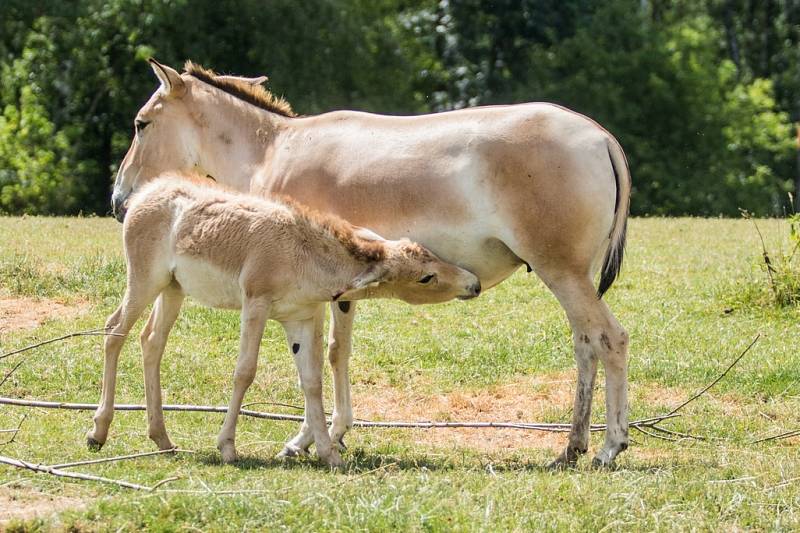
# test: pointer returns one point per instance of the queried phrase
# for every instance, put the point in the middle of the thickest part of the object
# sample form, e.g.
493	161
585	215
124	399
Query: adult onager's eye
140	125
426	279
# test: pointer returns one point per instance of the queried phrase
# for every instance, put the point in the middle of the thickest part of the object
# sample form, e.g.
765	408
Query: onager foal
273	259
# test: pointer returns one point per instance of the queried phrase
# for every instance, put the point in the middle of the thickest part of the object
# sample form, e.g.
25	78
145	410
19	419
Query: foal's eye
141	125
426	279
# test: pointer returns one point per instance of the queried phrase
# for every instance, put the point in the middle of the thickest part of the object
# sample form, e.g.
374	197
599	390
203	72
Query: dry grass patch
21	313
26	505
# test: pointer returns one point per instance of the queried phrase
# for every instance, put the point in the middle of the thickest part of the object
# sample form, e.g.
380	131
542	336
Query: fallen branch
785	435
76	475
707	387
534	426
90	332
119	458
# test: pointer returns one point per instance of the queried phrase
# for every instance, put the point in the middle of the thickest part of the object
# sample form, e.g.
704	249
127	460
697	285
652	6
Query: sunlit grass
677	297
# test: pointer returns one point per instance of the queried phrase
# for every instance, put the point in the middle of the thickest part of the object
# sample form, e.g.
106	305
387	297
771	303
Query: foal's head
412	273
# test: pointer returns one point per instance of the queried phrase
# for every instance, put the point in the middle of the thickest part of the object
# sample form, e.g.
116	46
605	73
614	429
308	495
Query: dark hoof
93	445
342	445
603	465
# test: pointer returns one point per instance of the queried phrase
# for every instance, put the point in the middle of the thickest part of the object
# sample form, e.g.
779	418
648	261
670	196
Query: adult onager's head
183	128
271	258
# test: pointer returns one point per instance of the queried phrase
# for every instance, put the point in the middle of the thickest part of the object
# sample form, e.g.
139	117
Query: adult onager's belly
486	189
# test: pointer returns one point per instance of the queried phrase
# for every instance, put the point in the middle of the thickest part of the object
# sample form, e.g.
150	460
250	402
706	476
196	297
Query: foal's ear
241	79
374	273
171	81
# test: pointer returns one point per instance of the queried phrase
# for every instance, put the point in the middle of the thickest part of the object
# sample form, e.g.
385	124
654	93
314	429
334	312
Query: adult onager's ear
171	81
249	81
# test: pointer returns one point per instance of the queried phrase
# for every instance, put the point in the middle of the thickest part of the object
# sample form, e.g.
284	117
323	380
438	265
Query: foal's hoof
291	451
568	459
93	444
341	446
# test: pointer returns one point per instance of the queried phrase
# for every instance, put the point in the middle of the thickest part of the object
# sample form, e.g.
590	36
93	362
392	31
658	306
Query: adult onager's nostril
118	207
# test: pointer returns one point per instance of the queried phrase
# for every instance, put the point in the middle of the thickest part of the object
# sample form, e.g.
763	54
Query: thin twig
97	331
678	433
654	435
748	216
118	458
536	426
696	396
15	431
8	374
786	435
76	475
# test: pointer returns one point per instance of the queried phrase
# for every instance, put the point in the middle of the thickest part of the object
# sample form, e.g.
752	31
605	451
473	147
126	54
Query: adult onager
488	188
270	258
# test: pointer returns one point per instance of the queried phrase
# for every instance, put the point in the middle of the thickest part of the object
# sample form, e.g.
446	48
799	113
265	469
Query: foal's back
202	237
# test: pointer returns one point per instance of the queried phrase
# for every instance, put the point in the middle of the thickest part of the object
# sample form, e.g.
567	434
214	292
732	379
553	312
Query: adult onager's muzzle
119	206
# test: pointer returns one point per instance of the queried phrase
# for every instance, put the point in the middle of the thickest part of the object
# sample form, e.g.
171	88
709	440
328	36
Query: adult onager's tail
616	248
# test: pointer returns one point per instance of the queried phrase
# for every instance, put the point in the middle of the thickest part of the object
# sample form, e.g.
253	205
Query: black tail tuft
612	264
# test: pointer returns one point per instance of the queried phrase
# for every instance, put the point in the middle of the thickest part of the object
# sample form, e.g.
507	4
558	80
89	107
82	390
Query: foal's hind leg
154	339
597	335
136	299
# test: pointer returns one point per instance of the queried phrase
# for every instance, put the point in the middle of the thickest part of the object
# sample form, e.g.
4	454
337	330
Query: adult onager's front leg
340	348
305	341
154	339
253	319
597	335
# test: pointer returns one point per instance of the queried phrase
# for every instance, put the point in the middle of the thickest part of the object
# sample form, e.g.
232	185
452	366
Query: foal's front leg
254	318
305	341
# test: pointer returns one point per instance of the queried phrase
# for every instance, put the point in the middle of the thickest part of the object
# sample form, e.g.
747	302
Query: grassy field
686	297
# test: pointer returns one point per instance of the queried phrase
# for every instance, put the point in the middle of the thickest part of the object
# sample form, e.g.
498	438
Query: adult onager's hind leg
154	339
253	321
597	335
340	348
305	341
120	322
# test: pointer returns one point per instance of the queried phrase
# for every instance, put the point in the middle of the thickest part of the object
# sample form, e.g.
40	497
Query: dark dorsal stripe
252	94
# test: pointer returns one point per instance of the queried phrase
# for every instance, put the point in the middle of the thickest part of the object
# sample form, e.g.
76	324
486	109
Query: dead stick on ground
76	475
119	458
780	436
14	431
98	331
554	427
8	374
703	391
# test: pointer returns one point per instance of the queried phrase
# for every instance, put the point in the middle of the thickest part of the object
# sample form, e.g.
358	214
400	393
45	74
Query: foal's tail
616	248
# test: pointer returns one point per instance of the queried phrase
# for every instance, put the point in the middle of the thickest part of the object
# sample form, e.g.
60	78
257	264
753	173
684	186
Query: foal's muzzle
473	291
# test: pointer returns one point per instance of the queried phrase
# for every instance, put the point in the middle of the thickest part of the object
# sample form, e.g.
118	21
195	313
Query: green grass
680	296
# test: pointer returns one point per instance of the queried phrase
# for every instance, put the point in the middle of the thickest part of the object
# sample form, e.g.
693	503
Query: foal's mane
337	228
252	94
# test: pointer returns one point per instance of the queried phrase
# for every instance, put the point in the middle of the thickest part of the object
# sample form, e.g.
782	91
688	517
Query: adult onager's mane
252	94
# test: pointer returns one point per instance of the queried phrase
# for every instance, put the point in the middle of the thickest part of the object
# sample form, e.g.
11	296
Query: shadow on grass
359	461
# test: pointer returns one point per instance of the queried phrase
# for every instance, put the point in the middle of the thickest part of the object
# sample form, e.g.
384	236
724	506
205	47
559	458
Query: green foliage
700	94
777	283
